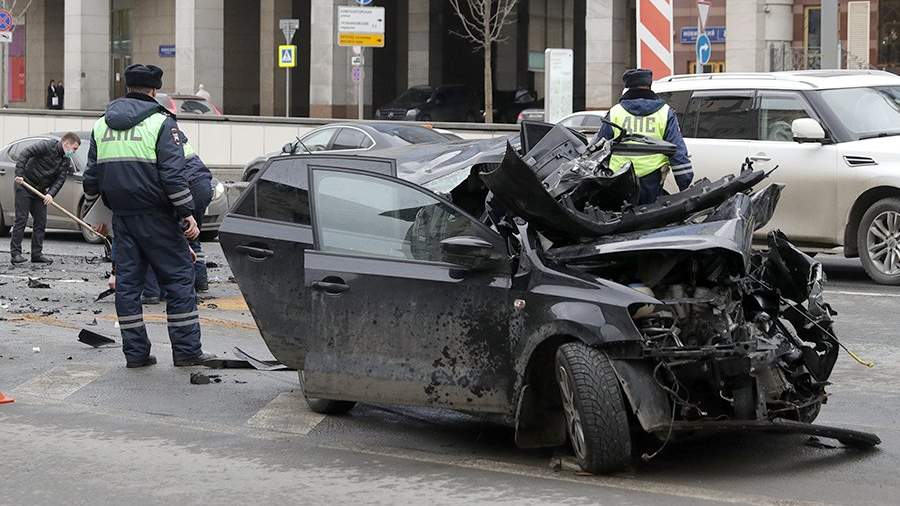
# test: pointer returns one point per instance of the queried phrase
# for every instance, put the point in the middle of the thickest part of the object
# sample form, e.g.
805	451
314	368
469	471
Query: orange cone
6	400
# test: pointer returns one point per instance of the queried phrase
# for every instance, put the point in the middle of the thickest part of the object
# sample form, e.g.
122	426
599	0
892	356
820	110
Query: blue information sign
363	2
704	49
716	34
167	51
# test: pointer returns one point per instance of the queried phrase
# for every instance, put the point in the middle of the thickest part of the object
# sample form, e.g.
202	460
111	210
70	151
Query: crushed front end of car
737	339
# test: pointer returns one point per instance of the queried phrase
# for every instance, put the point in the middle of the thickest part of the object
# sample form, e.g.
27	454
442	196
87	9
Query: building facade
229	46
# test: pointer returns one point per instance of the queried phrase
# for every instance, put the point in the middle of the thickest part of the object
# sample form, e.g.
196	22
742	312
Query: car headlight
218	190
412	114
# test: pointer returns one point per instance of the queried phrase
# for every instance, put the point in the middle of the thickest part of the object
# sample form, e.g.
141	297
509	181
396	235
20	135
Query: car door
350	138
69	196
807	211
7	183
264	237
717	129
395	323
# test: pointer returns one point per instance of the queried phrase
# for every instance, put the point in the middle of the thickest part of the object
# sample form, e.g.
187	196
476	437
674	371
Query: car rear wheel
88	237
596	419
325	406
879	241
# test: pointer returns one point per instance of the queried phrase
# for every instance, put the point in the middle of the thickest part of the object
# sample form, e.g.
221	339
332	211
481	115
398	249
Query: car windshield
413	96
192	106
407	134
866	112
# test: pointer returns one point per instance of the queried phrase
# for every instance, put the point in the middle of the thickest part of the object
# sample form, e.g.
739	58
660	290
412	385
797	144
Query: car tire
596	417
87	236
325	406
878	239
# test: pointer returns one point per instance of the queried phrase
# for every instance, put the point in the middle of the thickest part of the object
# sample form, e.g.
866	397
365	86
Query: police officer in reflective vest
200	181
640	111
136	164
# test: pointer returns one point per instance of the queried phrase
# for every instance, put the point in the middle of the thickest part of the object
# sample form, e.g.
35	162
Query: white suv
834	136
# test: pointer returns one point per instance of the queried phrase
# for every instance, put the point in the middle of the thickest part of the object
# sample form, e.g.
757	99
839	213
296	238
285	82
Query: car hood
874	148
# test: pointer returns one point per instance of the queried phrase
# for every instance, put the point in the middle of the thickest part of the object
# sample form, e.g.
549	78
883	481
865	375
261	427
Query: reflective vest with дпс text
136	143
653	126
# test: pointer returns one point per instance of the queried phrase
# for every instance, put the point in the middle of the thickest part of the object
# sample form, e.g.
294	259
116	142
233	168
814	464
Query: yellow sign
287	56
361	39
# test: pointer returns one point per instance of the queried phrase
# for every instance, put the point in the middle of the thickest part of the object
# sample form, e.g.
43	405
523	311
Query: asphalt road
85	430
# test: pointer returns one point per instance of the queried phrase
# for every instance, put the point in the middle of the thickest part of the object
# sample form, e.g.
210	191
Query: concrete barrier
225	143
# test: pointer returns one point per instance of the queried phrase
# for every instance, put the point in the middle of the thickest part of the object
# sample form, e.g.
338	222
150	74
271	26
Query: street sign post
287	57
703	46
360	27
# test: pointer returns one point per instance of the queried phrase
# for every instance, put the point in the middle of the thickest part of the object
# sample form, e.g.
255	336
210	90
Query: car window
318	140
719	117
678	101
776	113
368	215
4	155
16	149
348	138
367	142
81	155
280	193
592	120
191	106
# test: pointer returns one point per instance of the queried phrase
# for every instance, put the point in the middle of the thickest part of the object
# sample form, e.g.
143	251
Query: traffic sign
287	56
363	2
288	28
361	39
5	37
703	8
360	19
6	20
703	49
356	60
356	73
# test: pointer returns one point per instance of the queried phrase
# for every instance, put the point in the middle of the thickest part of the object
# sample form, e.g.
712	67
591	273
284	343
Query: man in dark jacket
640	111
136	164
43	165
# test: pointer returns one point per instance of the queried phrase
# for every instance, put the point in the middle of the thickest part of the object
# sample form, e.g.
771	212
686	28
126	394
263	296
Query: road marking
61	382
218	322
286	413
864	294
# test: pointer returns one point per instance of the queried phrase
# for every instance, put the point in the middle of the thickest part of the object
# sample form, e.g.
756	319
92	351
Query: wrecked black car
534	291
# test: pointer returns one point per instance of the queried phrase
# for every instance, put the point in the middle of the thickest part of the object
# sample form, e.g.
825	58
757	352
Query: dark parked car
534	292
509	104
424	103
352	137
71	196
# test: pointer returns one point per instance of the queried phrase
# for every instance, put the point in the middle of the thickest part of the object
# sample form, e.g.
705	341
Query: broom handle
74	218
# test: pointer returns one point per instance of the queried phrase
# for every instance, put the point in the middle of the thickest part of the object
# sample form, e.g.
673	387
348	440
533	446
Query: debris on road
212	265
93	322
37	283
36	349
94	339
104	294
198	378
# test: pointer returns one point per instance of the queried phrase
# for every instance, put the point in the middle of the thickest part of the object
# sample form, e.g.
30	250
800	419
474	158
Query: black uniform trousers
26	203
651	187
155	240
201	190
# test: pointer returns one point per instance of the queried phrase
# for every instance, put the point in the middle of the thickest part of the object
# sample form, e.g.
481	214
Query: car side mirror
288	149
469	252
807	130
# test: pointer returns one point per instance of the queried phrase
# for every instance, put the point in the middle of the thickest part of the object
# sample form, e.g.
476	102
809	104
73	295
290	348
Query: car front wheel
596	420
325	406
879	241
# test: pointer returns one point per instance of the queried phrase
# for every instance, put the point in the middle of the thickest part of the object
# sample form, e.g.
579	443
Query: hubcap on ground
883	242
573	419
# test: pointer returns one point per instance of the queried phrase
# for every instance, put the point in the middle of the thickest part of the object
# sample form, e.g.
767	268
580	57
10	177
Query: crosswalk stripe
286	413
61	381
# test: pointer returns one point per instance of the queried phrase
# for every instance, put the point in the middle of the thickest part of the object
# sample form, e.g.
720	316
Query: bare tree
483	22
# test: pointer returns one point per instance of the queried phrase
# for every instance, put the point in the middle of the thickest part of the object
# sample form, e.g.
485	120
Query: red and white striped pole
654	37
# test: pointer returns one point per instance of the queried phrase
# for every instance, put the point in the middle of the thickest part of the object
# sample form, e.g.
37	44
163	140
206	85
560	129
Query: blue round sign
6	21
704	49
364	2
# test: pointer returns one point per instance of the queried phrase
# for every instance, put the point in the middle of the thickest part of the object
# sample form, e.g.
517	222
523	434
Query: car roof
789	80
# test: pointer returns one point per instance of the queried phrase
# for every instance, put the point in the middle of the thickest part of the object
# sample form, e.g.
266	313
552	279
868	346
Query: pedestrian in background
136	163
61	93
52	97
43	165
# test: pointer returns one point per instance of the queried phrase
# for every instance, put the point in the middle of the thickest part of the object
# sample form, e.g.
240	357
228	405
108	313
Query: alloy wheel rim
573	419
883	242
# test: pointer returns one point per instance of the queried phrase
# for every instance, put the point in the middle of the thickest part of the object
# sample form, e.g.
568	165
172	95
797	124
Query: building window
889	32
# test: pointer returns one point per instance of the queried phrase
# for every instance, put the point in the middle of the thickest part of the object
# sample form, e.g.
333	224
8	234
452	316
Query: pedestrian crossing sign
287	56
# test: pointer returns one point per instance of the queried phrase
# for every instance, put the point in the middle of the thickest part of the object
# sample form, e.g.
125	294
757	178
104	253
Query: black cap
634	78
144	76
